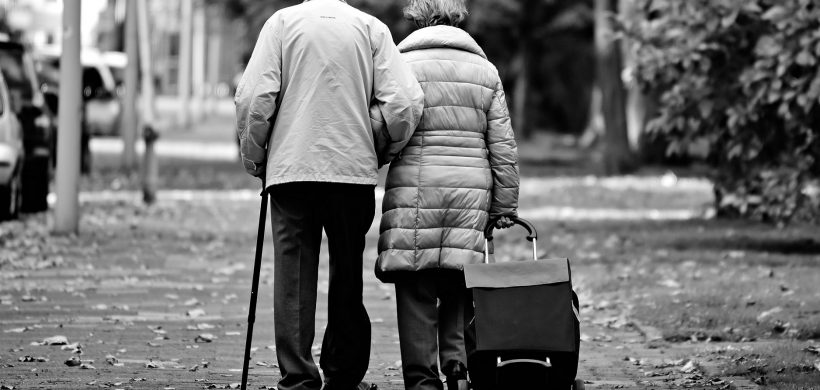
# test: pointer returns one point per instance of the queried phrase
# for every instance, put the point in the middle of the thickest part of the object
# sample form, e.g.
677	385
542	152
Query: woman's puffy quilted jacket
460	167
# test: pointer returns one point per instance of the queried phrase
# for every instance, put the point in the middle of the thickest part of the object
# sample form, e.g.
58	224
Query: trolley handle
532	236
532	233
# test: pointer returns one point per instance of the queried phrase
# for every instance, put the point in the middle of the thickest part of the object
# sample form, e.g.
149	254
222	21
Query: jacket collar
440	37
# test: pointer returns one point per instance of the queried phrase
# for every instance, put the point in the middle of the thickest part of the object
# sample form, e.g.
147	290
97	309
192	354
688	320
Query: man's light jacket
302	104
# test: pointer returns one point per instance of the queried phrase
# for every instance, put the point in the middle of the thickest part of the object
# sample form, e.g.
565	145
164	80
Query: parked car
102	102
38	123
11	157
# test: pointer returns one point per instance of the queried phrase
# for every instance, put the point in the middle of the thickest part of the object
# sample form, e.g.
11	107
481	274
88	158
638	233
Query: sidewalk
156	298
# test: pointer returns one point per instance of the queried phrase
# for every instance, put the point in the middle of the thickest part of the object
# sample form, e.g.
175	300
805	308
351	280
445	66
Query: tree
513	33
743	77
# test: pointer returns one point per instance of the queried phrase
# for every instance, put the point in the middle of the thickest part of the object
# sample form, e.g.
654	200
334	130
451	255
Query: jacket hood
440	37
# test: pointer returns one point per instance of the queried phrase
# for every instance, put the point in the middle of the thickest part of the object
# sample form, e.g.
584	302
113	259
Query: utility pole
214	60
184	74
198	55
129	120
149	133
67	209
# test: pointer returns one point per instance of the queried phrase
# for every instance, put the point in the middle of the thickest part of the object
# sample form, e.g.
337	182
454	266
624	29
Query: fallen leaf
762	316
669	283
55	340
86	366
151	365
112	360
812	349
73	362
16	330
689	367
195	313
73	347
32	359
232	333
735	254
191	302
204	338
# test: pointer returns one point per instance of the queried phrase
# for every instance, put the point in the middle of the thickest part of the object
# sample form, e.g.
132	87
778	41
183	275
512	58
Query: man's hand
504	223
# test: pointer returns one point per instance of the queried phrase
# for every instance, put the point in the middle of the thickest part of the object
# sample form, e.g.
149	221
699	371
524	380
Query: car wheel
10	199
36	174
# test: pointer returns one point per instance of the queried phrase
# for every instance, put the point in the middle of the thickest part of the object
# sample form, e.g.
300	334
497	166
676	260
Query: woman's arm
503	155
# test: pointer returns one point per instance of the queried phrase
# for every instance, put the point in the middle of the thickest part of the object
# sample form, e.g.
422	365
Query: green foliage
744	76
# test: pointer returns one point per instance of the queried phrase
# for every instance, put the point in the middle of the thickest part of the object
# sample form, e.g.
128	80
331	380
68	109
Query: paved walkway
156	298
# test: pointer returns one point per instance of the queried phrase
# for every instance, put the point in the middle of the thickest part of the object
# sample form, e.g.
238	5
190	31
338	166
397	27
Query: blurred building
36	21
39	22
220	52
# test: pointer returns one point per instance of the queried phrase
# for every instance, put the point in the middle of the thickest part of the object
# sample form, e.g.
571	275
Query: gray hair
426	13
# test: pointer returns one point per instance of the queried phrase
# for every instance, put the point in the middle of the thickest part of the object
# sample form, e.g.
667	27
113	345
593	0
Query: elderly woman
458	171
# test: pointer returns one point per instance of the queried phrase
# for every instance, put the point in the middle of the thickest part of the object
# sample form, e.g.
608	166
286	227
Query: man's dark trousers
299	212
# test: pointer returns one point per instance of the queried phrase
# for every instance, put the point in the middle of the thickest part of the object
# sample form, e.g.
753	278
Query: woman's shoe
360	386
367	386
456	375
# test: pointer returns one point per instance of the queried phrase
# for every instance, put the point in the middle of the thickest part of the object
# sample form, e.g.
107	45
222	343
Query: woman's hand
504	223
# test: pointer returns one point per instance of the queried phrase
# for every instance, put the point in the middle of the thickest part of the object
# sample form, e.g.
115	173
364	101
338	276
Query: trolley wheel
578	384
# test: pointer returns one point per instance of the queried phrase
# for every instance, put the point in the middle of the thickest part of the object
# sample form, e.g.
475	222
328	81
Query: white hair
426	13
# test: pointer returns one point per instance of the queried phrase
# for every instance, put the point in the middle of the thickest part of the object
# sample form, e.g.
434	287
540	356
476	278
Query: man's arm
396	92
256	97
503	154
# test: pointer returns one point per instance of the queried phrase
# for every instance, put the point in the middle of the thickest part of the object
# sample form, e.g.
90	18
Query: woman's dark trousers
430	307
299	212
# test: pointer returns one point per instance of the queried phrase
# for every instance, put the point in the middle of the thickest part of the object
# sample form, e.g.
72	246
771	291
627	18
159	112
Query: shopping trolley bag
525	325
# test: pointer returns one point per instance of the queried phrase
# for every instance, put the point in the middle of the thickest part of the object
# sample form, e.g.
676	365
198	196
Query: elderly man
304	127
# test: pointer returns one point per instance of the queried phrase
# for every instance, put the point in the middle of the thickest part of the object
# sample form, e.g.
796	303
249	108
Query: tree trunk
618	158
521	92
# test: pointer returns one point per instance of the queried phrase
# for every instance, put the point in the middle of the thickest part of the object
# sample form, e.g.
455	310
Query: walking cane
260	241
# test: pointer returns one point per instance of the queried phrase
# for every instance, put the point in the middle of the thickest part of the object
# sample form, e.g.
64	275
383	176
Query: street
156	297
